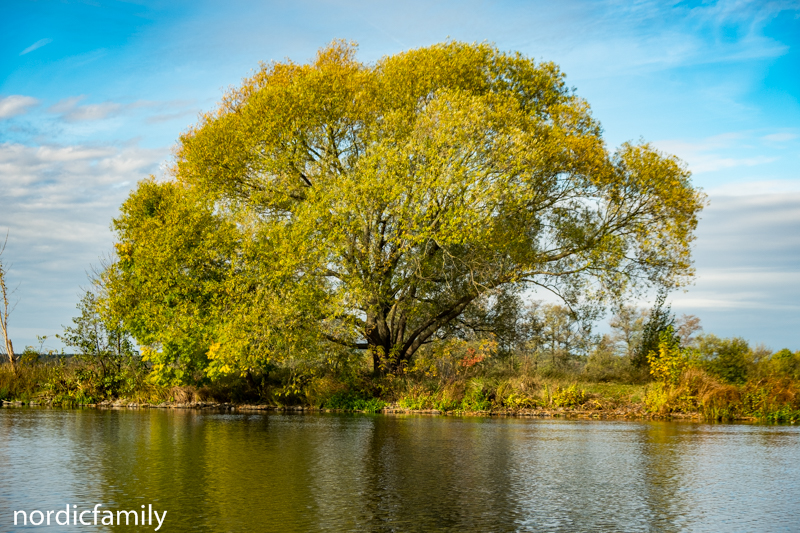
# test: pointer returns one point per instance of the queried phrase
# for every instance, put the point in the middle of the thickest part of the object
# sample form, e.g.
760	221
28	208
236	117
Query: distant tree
686	327
661	321
556	333
628	324
98	340
725	358
497	314
786	363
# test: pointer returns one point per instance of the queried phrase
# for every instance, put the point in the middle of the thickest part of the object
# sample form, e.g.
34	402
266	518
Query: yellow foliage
668	364
332	203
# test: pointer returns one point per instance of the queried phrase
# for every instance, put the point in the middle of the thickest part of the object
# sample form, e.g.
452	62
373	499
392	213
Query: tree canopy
338	205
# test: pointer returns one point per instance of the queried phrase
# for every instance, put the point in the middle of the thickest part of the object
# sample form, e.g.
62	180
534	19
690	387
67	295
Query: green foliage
785	363
557	336
112	366
726	359
458	395
660	320
568	397
99	341
76	387
627	324
386	206
453	357
697	391
604	365
76	383
166	287
515	401
782	414
669	361
354	401
478	396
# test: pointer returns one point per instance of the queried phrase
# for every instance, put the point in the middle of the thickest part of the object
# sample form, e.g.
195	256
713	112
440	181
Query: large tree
375	205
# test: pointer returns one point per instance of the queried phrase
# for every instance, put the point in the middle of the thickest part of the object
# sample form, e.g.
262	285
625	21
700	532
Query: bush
669	361
569	397
726	359
354	401
785	363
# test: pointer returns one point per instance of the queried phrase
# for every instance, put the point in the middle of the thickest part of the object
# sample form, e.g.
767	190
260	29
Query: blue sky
94	94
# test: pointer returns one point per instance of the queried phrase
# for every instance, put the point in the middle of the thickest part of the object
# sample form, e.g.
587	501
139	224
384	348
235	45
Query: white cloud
66	105
757	187
72	112
15	105
70	109
38	44
713	163
69	177
166	117
732	150
93	112
57	204
747	257
780	137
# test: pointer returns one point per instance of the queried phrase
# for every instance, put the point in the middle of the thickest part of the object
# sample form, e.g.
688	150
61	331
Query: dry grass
772	398
26	383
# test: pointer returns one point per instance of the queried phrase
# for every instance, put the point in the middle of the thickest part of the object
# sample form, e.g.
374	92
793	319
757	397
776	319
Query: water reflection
294	472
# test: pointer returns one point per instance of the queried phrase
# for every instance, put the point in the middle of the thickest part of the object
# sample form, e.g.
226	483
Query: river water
222	471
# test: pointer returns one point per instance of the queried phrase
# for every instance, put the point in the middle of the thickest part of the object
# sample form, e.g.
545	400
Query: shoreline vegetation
540	360
764	387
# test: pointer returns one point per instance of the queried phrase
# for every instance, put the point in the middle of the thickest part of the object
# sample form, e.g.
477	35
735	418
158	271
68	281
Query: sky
94	95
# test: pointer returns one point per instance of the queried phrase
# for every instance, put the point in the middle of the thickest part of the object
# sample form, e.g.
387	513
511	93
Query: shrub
786	363
354	401
725	358
569	397
668	363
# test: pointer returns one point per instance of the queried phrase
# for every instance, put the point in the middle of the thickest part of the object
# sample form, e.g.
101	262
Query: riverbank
631	412
493	391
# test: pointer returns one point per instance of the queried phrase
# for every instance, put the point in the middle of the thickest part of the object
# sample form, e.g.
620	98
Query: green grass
617	394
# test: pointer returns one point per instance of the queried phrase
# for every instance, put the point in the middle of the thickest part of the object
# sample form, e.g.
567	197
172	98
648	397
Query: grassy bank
492	388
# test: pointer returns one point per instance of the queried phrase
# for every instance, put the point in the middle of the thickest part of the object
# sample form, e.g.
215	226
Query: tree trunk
4	314
10	352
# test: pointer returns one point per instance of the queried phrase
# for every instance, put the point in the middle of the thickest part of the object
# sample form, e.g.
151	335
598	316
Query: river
252	472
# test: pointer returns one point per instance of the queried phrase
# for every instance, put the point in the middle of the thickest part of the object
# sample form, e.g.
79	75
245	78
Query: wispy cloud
647	36
730	150
71	111
759	230
758	187
71	176
35	46
748	268
65	105
16	105
713	163
166	117
780	137
57	202
93	112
